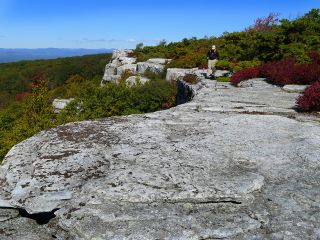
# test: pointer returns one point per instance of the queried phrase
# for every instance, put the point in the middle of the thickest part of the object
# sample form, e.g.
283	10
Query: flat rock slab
234	163
295	88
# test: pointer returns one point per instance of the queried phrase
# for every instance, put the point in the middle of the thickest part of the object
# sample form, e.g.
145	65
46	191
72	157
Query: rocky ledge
234	163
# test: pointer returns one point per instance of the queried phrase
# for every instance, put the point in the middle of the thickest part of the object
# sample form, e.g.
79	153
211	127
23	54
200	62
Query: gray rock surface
222	73
133	80
127	60
161	61
132	68
111	78
234	163
295	88
60	104
153	67
120	53
173	74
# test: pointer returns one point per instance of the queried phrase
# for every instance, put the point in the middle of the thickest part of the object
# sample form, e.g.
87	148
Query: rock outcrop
121	62
173	74
234	163
133	80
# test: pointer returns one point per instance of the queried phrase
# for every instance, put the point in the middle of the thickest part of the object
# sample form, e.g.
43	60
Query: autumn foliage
310	100
245	74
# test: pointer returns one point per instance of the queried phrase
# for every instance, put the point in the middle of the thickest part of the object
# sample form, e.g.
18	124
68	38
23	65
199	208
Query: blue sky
124	23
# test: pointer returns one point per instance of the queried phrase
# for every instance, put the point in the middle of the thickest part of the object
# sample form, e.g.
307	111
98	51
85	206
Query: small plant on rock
191	78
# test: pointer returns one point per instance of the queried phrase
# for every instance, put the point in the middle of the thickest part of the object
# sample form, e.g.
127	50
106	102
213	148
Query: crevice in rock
41	218
205	201
185	93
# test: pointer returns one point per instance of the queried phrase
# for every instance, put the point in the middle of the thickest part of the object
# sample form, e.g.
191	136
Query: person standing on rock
212	57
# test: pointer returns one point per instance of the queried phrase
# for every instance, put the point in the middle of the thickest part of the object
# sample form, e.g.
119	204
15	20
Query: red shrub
287	72
279	72
283	72
315	57
306	73
245	74
310	100
21	95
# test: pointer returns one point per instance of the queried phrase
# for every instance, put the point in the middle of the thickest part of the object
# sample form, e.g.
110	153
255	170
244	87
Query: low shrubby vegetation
191	78
268	39
32	111
289	71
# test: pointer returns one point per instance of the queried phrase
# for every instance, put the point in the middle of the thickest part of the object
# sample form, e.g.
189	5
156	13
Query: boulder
118	53
110	70
132	68
295	88
222	73
112	78
161	61
174	73
60	104
234	163
153	67
133	80
126	60
201	73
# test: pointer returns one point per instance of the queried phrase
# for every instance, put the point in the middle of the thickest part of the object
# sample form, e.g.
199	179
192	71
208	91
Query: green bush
245	64
223	79
224	65
23	119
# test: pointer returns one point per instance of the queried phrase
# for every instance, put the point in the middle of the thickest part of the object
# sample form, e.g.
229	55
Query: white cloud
113	40
93	40
132	40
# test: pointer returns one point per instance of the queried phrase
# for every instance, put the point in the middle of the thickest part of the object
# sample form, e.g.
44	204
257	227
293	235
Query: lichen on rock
244	167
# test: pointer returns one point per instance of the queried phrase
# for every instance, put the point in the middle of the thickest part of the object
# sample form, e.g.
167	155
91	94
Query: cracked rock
244	167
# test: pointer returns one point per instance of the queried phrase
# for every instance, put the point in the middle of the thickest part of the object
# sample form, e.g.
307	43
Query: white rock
127	60
153	67
118	53
132	68
112	78
60	104
222	73
110	70
133	80
161	61
5	204
174	73
295	88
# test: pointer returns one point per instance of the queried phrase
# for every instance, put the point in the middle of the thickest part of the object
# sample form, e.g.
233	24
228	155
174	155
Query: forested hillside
16	78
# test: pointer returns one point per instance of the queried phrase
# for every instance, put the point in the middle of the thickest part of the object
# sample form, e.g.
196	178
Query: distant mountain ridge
18	54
